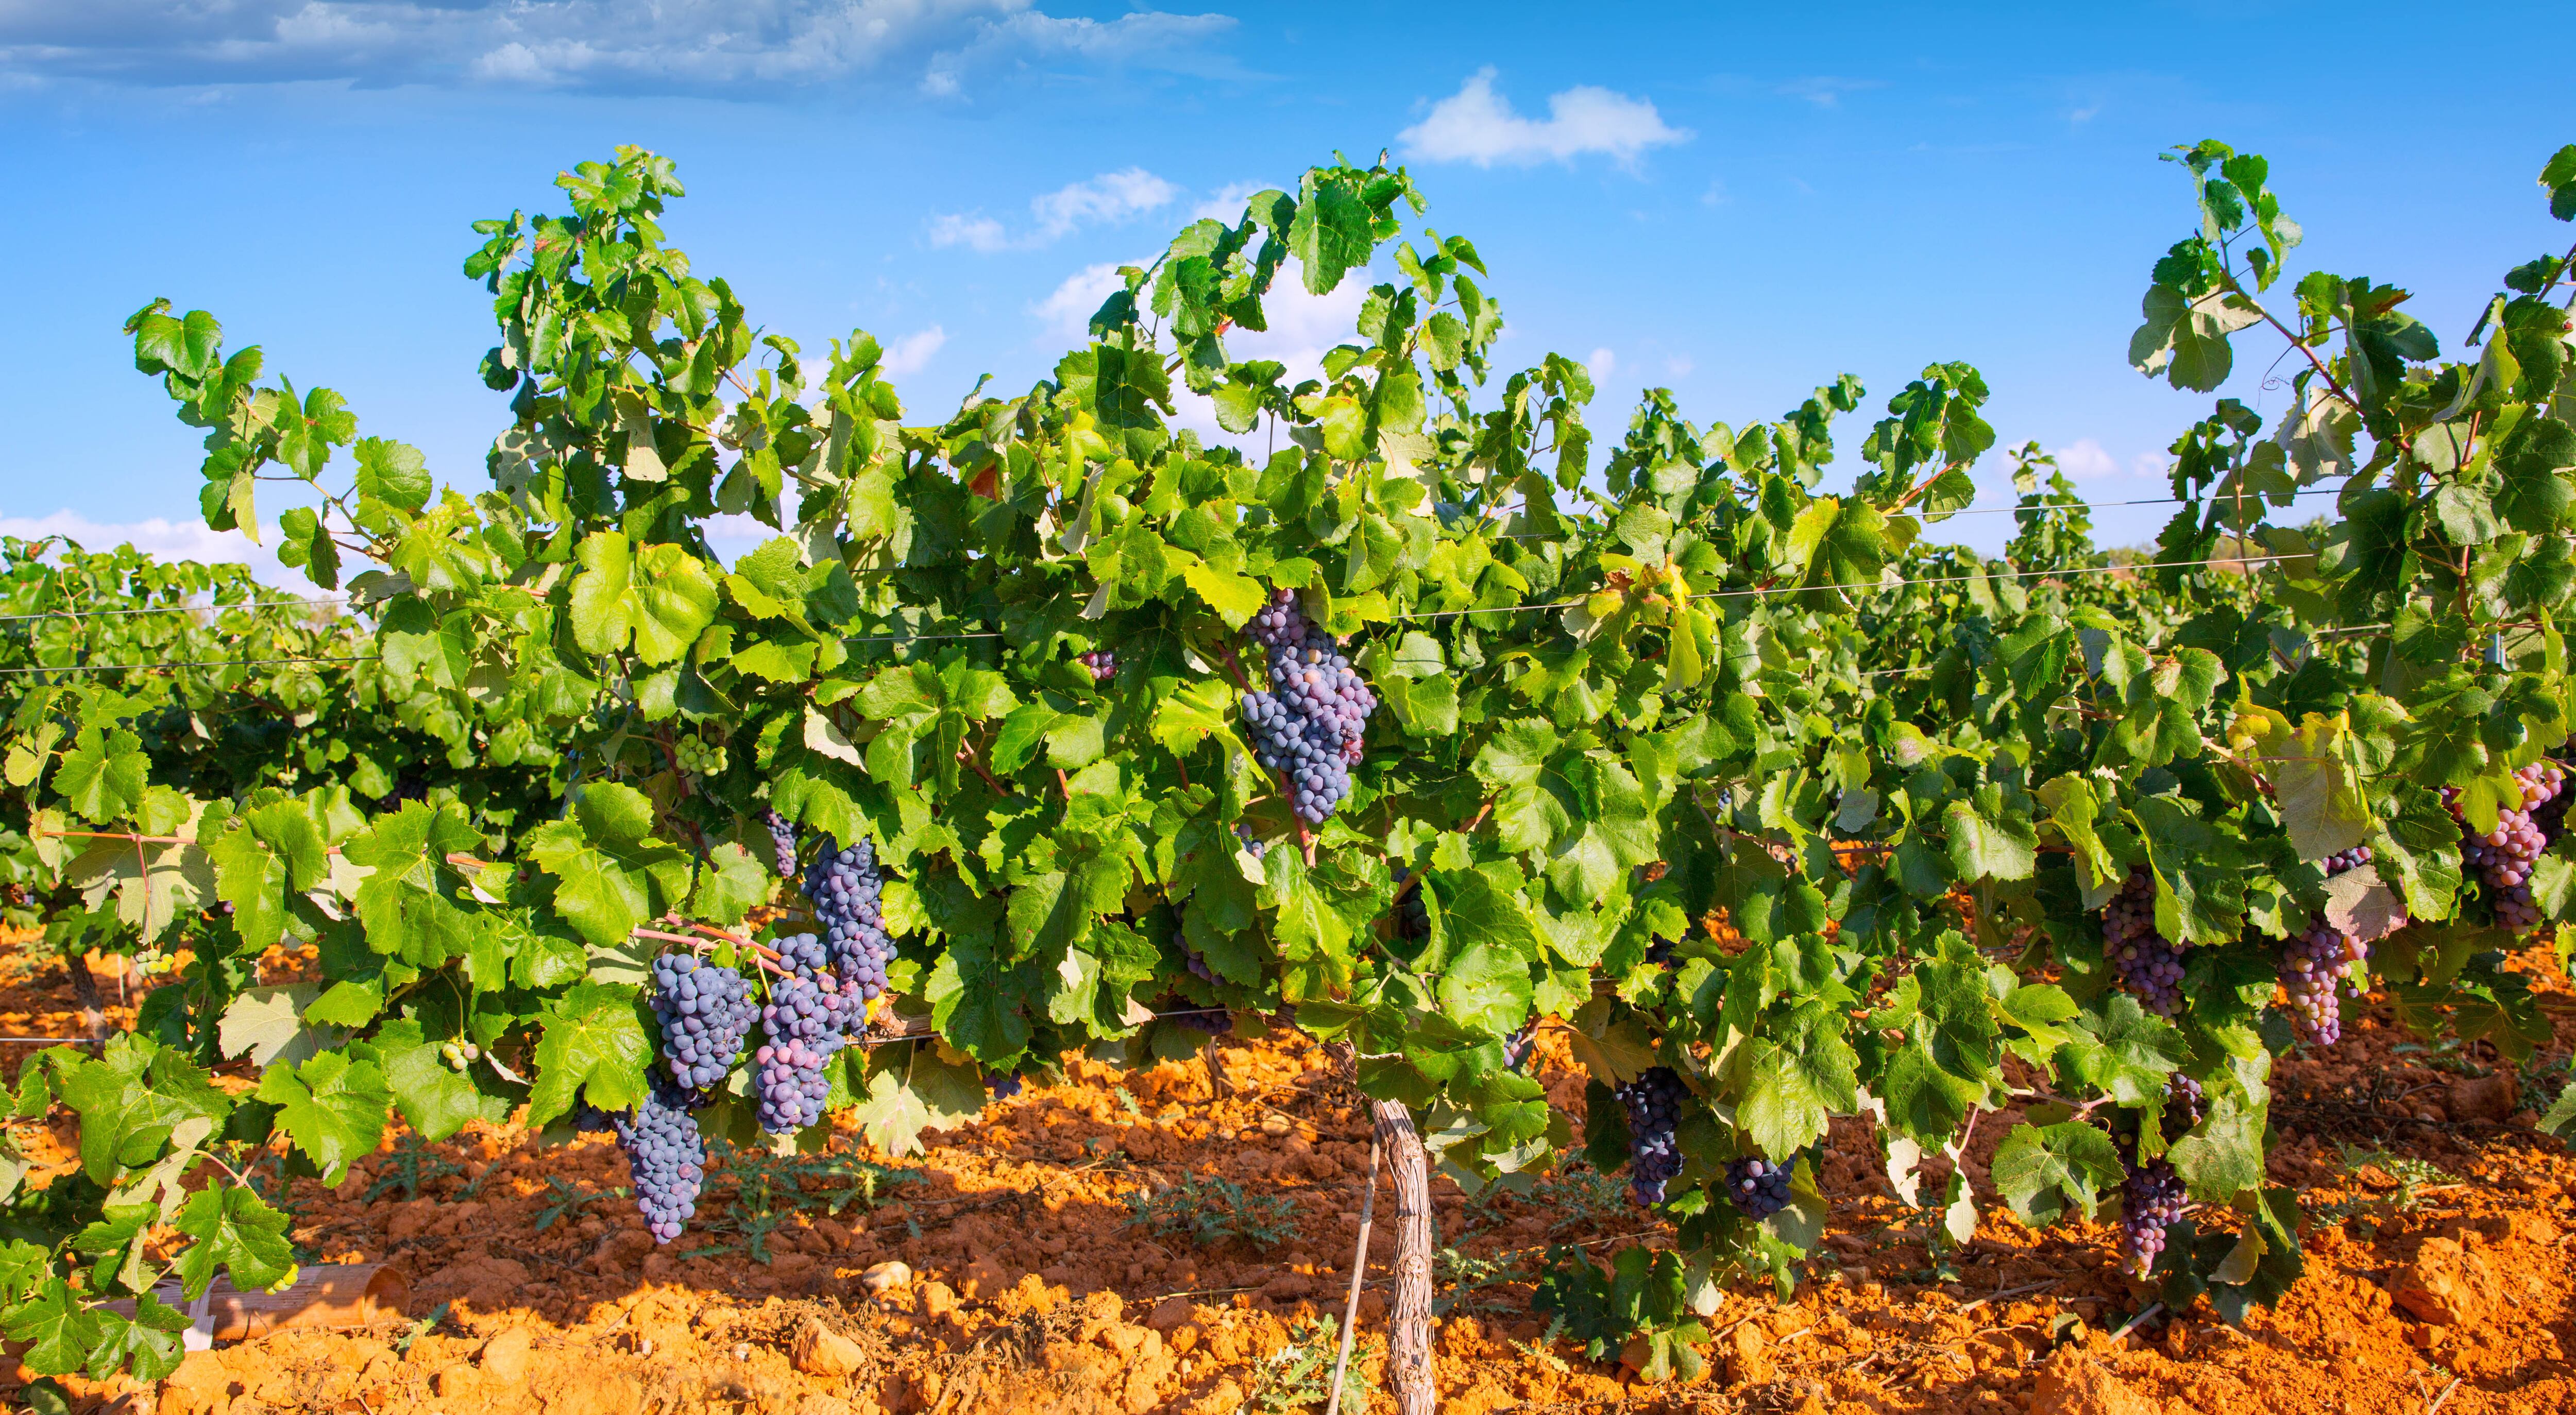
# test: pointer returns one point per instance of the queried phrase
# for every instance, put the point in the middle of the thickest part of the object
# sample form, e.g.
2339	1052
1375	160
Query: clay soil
2439	1268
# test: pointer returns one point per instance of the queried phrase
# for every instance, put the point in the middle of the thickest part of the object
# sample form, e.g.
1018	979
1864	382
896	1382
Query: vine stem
1409	1334
968	756
766	958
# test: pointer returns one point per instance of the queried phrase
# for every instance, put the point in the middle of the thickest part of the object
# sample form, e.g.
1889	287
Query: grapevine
1535	698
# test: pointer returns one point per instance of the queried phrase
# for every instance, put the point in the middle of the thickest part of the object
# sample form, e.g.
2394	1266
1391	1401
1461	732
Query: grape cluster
1308	725
459	1054
1758	1187
1215	1021
1103	665
1258	846
2345	860
2186	1104
666	1157
2149	964
2314	961
782	843
407	788
808	1020
2151	1198
2502	858
844	886
699	756
1654	1105
1518	1046
1001	1085
1412	916
705	1011
802	954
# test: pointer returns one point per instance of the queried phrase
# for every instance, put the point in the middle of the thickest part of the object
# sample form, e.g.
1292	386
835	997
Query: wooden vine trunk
1409	1325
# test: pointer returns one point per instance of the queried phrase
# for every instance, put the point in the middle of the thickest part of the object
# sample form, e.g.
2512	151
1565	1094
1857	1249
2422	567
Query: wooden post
85	992
1409	1325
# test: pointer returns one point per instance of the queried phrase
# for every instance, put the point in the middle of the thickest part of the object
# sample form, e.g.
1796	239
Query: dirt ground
2439	1277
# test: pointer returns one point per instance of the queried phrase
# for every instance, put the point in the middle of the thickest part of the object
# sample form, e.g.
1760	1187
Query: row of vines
1405	713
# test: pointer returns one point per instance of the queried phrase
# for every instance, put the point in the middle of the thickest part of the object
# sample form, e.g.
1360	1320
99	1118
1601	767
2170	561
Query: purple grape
2502	859
844	886
666	1157
1103	665
705	1012
2149	964
782	843
2152	1199
1654	1106
1309	725
2313	962
808	1021
1758	1187
1518	1046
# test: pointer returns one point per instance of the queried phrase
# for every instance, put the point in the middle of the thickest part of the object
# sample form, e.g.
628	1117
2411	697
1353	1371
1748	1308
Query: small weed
421	1328
1209	1211
1127	1099
563	1199
1302	1373
1584	1195
1465	1276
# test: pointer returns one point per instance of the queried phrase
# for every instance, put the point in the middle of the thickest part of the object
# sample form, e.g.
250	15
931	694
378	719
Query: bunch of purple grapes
666	1157
2149	964
2152	1198
1412	916
1001	1085
2502	858
1215	1021
704	1011
1103	665
844	887
1258	846
1308	726
2186	1104
782	843
2345	860
1758	1187
2314	963
808	1021
1518	1046
1654	1106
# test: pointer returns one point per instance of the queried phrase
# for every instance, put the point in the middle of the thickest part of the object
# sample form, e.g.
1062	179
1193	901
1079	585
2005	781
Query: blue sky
1736	202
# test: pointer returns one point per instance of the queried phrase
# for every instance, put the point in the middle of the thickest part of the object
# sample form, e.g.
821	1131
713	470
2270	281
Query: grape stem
968	756
762	956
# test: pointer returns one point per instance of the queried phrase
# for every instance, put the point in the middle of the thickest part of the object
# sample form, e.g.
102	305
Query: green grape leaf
595	1047
613	874
236	1229
103	775
2038	1169
333	1108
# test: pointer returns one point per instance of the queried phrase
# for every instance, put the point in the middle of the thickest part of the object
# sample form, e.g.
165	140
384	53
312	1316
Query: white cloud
1679	366
749	47
1226	203
1477	125
2150	464
2085	460
913	352
1065	314
1826	91
1105	200
163	540
1601	362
